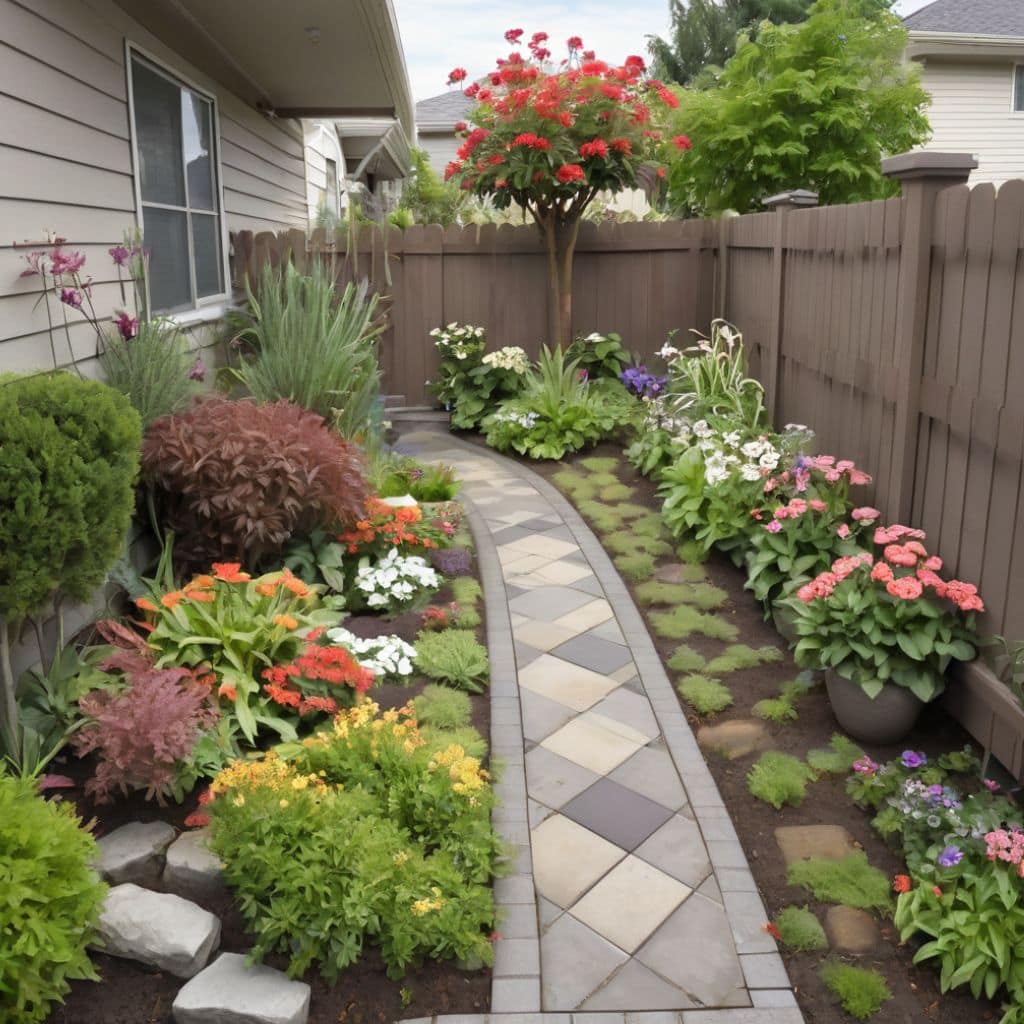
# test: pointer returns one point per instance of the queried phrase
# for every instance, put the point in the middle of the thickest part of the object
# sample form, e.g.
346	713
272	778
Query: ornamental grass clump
683	621
705	695
453	657
851	881
800	930
443	707
779	779
737	657
861	991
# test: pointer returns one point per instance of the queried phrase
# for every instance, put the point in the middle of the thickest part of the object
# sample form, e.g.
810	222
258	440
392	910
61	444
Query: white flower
715	470
769	460
749	471
395	579
668	352
732	439
702	429
753	449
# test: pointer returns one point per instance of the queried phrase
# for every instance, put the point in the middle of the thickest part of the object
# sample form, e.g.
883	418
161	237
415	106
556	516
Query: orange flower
288	621
772	930
936	891
227	690
902	883
266	589
228	572
172	600
204	596
203	582
294	584
145	604
197	820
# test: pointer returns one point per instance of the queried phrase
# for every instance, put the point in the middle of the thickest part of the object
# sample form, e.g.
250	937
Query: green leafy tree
427	198
703	33
815	105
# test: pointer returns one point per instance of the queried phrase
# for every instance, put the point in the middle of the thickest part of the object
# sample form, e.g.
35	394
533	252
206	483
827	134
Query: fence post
797	199
922	176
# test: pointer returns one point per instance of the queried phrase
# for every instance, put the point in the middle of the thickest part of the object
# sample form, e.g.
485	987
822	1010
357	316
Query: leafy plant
705	695
309	343
635	567
685	659
838	758
433	482
737	657
800	930
683	621
851	881
861	991
443	707
452	563
598	355
1011	667
438	740
633	544
52	900
240	479
779	710
616	492
317	558
466	591
779	779
454	657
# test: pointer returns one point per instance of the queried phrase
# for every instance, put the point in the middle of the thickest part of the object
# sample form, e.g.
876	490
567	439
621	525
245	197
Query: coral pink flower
881	573
816	505
865	514
907	588
934	563
898	554
774	526
842	531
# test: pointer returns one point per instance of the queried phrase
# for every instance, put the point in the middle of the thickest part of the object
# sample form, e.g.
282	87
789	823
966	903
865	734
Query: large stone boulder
229	992
192	869
158	929
134	852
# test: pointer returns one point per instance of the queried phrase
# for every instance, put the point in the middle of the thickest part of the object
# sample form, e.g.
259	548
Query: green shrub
779	779
800	930
443	707
466	591
851	881
600	463
861	991
464	736
635	512
453	656
705	596
692	551
775	709
579	486
604	518
685	659
650	525
739	656
630	543
706	696
683	621
835	759
51	901
635	567
616	492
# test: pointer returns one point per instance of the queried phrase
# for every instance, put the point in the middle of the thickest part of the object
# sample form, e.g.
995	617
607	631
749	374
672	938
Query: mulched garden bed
363	994
916	995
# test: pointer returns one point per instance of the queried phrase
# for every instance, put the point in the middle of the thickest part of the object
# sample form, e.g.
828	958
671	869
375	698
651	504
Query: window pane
206	241
165	235
1018	90
158	136
332	186
197	126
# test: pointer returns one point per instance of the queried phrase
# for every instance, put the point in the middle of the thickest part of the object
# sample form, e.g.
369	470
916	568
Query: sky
439	35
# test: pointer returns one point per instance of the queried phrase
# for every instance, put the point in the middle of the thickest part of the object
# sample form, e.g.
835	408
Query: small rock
158	929
734	739
801	842
851	931
229	992
134	852
191	867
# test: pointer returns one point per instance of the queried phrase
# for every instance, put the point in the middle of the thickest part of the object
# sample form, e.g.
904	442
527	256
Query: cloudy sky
441	34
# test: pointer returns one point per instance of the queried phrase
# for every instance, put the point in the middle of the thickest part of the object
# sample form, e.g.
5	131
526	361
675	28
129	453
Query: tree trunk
550	233
560	241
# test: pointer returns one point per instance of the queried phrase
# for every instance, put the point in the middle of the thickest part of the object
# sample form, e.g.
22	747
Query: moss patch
600	463
799	929
629	543
779	779
604	518
683	621
835	759
861	991
739	656
706	696
616	492
686	659
851	881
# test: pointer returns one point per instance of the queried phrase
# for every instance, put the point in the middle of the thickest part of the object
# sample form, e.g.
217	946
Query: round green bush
69	455
49	901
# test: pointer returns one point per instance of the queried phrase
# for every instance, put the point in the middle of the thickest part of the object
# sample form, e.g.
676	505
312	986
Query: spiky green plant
706	696
861	991
579	486
635	567
466	591
629	543
779	779
685	659
837	758
604	518
453	656
650	525
776	709
739	656
851	881
800	930
616	492
683	621
464	736
701	595
443	707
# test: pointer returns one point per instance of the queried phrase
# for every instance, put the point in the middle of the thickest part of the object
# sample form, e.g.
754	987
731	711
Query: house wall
440	149
66	162
971	112
321	144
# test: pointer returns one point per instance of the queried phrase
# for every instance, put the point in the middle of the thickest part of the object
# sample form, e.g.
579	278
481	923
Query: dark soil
132	994
916	995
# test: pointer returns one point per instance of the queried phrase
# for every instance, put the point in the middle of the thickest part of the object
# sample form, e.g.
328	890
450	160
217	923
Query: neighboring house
972	58
188	118
436	118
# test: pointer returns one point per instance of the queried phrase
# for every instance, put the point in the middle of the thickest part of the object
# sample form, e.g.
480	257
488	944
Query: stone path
630	897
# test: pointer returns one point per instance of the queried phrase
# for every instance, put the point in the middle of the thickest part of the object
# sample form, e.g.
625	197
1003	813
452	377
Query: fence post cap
792	199
923	163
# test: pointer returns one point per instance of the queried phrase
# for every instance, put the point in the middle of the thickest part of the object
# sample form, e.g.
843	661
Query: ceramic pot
785	622
886	719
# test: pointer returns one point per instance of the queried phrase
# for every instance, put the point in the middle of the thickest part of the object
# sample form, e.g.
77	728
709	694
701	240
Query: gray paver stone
764	970
192	868
134	852
576	962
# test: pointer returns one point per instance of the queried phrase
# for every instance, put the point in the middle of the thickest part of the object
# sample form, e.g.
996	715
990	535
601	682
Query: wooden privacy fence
895	329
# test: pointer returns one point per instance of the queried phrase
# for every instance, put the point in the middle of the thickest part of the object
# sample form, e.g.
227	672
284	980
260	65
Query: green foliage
800	930
397	475
306	342
466	591
604	518
51	901
465	736
775	709
581	489
426	197
861	991
683	621
599	355
701	595
616	492
705	695
454	657
685	659
368	835
70	457
635	567
738	656
318	559
151	370
779	779
851	881
630	543
817	104
600	463
835	759
443	707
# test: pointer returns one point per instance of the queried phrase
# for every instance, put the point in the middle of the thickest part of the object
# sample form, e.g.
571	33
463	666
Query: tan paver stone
734	739
550	547
562	573
541	635
801	842
596	742
568	859
586	617
520	564
851	931
572	685
635	987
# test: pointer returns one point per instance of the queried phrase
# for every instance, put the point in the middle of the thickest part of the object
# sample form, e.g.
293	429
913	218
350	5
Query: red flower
570	172
501	183
593	67
457	75
461	126
513	36
228	572
452	169
613	91
902	883
682	142
574	43
623	146
668	98
471	90
595	147
634	61
772	930
197	820
537	38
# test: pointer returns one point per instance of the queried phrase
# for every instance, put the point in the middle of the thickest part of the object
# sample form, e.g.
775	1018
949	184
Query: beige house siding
440	149
66	161
971	112
321	144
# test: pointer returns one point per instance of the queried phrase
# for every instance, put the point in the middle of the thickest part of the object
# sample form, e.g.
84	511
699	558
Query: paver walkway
629	892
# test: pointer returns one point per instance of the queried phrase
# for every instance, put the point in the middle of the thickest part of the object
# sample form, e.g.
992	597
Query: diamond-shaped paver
541	544
568	859
678	849
630	902
632	709
592	652
637	988
650	771
621	815
562	681
541	716
586	616
541	635
596	742
553	780
574	962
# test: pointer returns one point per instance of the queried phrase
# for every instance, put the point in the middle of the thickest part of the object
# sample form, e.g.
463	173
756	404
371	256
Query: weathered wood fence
895	329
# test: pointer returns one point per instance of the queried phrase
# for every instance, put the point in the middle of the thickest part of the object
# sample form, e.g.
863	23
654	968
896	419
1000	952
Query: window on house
332	197
178	189
1018	89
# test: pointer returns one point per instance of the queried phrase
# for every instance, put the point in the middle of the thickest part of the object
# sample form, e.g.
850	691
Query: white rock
229	992
134	852
191	867
400	501
158	929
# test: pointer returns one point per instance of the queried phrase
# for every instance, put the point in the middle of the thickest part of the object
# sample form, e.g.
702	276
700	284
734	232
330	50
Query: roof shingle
970	17
443	110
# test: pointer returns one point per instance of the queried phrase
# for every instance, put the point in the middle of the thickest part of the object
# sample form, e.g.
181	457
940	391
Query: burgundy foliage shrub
237	480
452	561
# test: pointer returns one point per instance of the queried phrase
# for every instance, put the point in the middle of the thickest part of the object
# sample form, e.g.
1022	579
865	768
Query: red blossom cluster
334	665
384	525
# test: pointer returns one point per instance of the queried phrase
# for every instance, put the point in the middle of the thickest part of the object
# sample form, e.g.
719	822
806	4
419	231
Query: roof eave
955	44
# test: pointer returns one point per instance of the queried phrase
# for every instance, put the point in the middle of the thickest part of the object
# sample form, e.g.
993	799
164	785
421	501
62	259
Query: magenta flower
127	325
865	766
584	376
120	254
35	264
197	371
913	759
62	262
991	785
774	526
71	297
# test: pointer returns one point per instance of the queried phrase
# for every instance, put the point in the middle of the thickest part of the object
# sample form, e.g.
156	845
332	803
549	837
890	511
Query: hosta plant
598	355
887	619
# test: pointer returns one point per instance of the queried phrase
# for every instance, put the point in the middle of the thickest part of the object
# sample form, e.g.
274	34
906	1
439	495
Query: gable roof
439	113
969	17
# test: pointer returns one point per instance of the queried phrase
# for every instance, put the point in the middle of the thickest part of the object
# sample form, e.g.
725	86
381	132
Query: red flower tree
551	140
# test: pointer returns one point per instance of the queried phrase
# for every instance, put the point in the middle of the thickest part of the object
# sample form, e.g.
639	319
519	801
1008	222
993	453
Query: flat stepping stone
157	929
734	739
229	992
851	931
134	852
192	868
801	842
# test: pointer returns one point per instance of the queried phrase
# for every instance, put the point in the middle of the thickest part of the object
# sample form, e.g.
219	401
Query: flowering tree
551	138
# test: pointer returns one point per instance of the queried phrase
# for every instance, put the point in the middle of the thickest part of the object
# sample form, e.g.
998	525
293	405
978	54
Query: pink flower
65	262
933	580
907	588
824	461
456	75
865	513
197	371
574	43
816	505
934	563
898	554
881	573
71	297
991	785
858	478
770	484
842	531
127	326
843	465
513	36
774	526
842	567
120	254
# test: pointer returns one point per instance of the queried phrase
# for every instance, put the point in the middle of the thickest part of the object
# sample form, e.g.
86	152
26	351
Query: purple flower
913	759
65	262
950	857
120	254
71	297
774	526
127	325
197	371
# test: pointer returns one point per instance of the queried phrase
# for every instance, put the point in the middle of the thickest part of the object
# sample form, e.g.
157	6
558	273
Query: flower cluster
640	381
459	341
727	454
511	357
526	420
1006	845
395	582
290	685
466	775
386	526
388	656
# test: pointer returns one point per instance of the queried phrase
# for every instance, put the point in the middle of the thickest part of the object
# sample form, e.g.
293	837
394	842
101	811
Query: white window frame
1018	69
333	202
209	307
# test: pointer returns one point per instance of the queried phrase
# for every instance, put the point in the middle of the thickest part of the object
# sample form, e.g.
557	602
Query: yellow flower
239	801
282	804
300	782
400	858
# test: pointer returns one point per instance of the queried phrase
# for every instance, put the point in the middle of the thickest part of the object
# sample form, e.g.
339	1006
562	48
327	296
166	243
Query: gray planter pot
886	719
785	622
